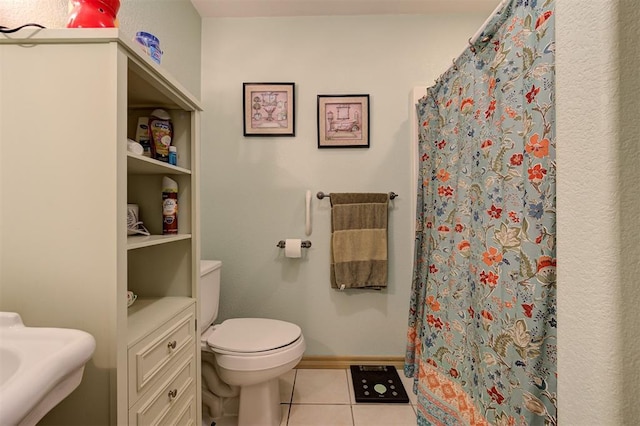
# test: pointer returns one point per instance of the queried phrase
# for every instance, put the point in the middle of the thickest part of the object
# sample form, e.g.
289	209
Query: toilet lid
252	335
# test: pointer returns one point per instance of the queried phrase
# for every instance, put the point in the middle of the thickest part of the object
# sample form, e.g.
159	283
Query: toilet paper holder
303	244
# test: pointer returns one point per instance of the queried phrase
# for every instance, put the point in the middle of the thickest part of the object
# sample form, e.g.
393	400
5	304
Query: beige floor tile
320	415
321	387
326	398
383	415
286	386
233	420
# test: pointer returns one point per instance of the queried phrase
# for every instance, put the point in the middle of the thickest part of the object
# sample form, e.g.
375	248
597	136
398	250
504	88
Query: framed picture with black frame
269	109
343	121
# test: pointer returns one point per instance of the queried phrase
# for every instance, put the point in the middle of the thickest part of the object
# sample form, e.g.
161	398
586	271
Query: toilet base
260	404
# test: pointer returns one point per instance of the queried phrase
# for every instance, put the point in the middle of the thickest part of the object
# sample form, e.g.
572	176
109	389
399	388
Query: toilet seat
251	336
260	361
259	343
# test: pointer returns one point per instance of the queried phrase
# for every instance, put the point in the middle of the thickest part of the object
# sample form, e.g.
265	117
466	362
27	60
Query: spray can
169	206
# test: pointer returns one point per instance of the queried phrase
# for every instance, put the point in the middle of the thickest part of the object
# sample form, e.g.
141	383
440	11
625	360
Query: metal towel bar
321	195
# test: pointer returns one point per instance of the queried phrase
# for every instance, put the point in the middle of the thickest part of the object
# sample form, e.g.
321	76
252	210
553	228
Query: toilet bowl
250	352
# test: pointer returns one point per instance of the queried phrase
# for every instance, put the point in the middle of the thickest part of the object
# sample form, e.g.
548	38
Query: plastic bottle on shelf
169	206
150	44
161	134
173	155
143	137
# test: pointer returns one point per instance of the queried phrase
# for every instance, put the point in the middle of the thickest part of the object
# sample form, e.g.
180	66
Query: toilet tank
209	294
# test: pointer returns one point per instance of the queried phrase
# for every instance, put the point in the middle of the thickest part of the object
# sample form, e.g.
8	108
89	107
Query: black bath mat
377	383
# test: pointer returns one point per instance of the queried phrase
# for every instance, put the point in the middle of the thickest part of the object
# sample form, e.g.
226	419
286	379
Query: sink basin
39	367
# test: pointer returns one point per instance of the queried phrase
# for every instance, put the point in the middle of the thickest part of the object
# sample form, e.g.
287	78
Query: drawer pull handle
173	393
172	345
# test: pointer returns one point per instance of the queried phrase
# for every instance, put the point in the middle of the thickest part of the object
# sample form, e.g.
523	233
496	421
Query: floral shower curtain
481	342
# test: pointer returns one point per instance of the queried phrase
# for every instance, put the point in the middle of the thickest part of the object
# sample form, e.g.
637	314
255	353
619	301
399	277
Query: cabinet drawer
172	402
183	413
149	357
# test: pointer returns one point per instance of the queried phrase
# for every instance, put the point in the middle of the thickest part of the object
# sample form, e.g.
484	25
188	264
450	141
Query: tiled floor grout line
353	418
300	401
310	404
293	387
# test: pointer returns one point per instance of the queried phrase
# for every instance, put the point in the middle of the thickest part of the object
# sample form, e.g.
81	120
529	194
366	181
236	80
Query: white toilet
250	352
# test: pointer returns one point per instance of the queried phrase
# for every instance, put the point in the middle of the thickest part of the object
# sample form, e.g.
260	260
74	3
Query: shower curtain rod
478	33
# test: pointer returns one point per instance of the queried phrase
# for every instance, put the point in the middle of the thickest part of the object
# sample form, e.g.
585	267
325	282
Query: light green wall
253	188
176	23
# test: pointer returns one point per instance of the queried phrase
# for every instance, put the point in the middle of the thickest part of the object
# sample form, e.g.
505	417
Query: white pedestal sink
39	367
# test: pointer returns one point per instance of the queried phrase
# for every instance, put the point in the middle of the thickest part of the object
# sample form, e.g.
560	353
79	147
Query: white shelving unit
69	99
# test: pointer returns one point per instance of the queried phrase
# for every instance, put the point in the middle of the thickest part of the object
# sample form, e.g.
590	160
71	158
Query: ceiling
271	8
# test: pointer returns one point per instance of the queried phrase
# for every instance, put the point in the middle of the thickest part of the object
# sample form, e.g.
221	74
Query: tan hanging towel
359	240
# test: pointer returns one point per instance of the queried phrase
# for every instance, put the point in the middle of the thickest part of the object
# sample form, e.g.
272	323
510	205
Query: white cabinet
69	99
162	364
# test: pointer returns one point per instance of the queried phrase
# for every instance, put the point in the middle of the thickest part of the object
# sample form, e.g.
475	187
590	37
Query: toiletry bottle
173	155
161	132
169	206
143	137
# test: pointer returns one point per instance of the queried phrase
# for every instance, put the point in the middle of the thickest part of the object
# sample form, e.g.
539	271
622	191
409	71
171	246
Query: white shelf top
149	313
140	241
139	164
34	36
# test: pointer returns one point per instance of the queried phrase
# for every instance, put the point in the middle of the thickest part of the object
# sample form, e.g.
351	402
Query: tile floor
321	397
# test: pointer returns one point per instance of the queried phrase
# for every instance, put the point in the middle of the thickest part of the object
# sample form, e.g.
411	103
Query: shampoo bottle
169	206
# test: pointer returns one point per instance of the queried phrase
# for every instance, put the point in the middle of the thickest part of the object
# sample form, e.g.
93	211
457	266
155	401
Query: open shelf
140	241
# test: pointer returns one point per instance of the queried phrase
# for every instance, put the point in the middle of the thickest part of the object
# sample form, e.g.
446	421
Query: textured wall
598	205
253	188
52	14
628	110
175	22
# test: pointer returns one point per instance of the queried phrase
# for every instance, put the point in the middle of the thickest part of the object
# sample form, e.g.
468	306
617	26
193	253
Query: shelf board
140	241
149	313
138	164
